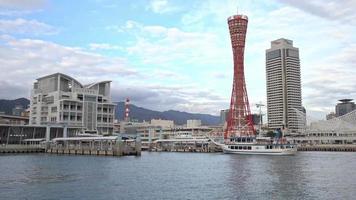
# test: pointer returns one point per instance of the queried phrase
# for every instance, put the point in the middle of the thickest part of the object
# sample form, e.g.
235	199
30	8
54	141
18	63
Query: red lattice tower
127	110
239	122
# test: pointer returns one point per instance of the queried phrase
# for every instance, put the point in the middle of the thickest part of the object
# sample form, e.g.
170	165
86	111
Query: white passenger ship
258	145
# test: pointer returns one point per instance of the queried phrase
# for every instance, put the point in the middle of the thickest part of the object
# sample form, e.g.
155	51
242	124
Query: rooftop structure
191	123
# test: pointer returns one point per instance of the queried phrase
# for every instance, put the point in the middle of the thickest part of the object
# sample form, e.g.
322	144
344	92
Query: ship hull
270	152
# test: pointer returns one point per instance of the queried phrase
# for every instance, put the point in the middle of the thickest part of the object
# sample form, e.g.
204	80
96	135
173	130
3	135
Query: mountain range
136	113
6	106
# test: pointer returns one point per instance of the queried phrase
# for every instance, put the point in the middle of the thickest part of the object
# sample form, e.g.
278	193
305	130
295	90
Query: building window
54	109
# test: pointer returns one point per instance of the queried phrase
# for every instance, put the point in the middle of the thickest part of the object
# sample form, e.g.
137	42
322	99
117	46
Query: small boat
258	146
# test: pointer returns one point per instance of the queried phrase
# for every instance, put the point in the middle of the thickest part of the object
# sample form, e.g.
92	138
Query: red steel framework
239	122
127	110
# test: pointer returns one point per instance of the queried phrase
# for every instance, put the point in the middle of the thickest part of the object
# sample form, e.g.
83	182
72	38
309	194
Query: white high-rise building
284	93
60	99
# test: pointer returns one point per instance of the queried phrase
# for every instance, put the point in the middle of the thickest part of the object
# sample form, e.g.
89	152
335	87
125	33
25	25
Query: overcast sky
177	54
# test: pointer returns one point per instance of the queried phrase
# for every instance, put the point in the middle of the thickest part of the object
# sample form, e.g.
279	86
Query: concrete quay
100	146
13	148
114	151
328	147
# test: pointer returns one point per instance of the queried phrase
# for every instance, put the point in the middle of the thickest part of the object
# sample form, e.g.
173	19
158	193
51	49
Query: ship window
240	147
245	147
249	148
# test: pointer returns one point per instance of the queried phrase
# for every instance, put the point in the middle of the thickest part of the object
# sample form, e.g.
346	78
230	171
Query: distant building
13	120
191	123
162	123
223	116
330	116
283	85
256	119
60	99
344	107
18	110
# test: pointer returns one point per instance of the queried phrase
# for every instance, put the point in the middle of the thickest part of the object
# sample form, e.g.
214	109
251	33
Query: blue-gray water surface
308	175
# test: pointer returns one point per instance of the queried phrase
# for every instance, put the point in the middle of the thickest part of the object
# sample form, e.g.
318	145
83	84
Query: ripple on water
308	175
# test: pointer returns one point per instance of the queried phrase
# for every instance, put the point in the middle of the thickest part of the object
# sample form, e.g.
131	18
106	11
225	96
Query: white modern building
191	123
284	94
163	123
60	99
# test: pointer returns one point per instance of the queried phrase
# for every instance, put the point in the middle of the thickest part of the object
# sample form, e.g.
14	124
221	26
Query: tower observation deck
239	122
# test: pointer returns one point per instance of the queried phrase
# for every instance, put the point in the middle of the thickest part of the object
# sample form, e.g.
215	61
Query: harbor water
162	175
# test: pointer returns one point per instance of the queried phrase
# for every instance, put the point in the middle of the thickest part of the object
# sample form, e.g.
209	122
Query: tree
271	134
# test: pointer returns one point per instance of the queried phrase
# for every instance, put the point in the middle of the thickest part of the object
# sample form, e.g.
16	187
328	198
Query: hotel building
284	95
60	99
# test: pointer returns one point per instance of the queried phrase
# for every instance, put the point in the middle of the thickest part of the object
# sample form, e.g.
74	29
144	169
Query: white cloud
161	6
27	59
161	45
334	10
22	4
24	60
21	7
181	97
322	30
103	46
24	26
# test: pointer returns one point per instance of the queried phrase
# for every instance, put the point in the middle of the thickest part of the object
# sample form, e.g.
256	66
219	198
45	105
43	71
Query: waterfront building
151	132
60	99
283	78
345	106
